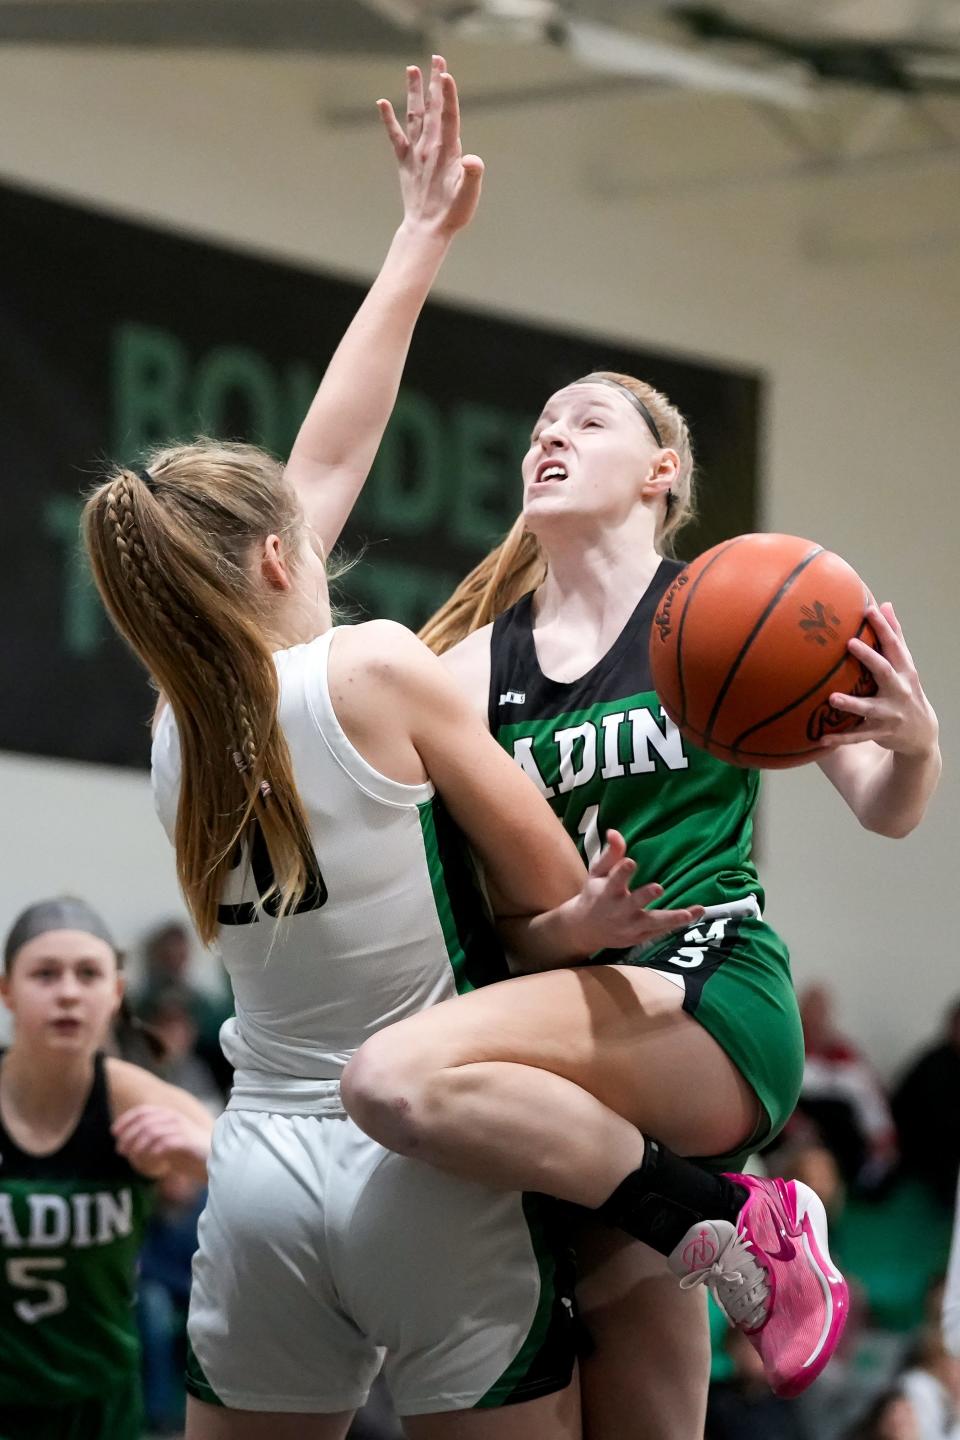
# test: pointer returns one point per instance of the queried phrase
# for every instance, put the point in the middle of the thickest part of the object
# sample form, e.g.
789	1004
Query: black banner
114	337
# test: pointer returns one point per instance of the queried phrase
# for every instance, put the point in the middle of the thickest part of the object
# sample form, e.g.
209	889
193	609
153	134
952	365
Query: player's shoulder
384	650
476	643
380	669
468	663
129	1084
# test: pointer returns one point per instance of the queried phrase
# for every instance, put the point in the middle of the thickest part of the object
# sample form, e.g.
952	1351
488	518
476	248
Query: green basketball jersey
71	1226
606	757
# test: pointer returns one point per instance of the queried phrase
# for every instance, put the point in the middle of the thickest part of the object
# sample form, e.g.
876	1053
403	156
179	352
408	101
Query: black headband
65	912
635	401
147	479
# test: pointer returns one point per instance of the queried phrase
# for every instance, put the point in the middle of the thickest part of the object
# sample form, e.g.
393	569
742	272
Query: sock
661	1200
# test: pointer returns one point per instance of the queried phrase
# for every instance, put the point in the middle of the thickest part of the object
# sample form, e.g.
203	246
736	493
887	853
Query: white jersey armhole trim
361	772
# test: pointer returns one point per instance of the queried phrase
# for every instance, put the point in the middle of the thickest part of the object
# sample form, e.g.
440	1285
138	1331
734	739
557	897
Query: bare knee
385	1093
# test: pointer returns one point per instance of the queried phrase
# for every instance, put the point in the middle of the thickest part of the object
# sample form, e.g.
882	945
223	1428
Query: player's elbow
891	827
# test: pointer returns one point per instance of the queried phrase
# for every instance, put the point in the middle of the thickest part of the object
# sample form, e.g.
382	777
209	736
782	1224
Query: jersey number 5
246	912
31	1275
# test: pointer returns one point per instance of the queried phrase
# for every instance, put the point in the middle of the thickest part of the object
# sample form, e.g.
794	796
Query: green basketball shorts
734	972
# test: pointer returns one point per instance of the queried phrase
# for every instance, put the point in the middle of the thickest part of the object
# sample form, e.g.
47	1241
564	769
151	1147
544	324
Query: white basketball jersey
396	920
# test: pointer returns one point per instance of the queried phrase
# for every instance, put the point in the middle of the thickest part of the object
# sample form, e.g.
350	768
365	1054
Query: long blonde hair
517	565
170	548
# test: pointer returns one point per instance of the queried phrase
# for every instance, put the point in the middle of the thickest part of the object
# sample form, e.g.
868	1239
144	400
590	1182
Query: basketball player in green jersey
695	1040
81	1139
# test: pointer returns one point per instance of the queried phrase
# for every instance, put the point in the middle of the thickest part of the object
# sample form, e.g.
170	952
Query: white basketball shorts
323	1256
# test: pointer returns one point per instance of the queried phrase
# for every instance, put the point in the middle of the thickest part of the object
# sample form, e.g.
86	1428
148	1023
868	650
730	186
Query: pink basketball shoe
772	1276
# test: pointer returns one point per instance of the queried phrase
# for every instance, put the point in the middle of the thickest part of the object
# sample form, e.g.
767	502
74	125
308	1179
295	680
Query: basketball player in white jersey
317	784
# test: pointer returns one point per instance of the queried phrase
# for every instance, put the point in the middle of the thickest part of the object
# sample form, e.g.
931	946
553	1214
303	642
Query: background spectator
164	1292
843	1096
743	1407
931	1382
166	961
890	1417
926	1107
169	1015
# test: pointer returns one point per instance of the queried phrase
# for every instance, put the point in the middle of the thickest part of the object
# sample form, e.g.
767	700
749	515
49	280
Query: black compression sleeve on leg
661	1200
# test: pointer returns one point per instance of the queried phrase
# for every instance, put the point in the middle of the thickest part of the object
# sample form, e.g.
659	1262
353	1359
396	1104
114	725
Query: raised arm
888	768
339	438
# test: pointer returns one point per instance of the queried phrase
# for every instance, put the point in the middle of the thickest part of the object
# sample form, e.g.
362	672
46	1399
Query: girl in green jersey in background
82	1136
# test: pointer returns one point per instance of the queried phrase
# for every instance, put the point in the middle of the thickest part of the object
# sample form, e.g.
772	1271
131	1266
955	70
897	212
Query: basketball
749	643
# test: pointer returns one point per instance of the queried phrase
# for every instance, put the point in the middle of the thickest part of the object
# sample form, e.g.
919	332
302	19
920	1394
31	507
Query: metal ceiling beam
334	27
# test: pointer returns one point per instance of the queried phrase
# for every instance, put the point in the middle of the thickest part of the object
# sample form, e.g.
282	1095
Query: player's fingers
891	641
140	1117
449	114
433	100
151	1147
678	919
393	128
415	102
614	849
158	1144
468	195
645	895
130	1144
850	737
891	614
878	665
142	1127
853	704
898	647
620	876
131	1117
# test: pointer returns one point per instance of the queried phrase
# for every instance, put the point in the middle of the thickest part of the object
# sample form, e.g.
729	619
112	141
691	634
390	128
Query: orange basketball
749	643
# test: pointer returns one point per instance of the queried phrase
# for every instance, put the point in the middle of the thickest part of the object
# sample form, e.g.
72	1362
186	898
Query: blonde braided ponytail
169	551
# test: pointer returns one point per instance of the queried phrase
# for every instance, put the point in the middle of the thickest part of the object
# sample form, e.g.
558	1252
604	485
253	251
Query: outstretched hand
607	914
439	184
899	716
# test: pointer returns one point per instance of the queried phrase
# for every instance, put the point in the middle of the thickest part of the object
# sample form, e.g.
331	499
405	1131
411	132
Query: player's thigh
618	1031
650	1352
213	1422
552	1417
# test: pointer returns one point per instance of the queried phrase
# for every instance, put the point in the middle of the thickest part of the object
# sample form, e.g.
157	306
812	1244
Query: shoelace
738	1283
